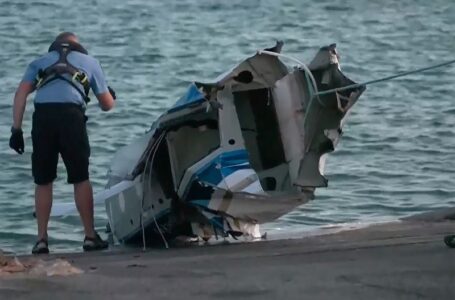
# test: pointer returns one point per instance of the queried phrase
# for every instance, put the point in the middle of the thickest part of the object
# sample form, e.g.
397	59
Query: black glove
112	92
16	140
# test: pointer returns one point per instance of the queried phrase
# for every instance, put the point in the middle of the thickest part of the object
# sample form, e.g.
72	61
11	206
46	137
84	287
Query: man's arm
16	141
20	98
100	88
106	101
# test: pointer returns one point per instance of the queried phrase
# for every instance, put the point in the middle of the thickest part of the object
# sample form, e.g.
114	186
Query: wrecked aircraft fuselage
242	150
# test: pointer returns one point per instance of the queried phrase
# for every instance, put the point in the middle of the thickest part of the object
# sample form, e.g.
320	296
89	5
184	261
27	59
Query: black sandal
41	247
450	241
95	243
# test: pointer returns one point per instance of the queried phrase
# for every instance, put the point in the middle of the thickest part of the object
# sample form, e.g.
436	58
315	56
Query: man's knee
78	175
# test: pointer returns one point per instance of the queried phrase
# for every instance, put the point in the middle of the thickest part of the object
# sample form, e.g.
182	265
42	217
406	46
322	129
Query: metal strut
313	93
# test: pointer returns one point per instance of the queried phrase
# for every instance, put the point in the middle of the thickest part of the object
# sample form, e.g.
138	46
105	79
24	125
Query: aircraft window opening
260	129
269	183
162	169
188	144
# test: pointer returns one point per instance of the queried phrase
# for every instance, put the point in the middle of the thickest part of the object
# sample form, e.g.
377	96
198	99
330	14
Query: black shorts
59	128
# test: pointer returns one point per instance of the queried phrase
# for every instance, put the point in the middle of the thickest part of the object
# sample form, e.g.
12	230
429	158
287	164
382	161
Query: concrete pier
399	260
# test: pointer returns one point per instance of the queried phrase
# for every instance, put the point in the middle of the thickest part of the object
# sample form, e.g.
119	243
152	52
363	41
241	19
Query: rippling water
397	156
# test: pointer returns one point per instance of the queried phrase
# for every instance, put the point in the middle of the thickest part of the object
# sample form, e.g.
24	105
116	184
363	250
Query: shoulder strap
62	67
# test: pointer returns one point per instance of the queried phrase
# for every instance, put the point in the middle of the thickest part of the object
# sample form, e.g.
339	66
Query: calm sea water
397	157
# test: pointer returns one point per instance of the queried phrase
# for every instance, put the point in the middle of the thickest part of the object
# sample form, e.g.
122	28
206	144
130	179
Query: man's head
66	37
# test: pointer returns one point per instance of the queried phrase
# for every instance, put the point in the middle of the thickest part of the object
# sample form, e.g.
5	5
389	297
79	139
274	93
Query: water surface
396	158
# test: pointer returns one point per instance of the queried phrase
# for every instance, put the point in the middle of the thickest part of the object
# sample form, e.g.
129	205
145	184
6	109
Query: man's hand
112	92
16	141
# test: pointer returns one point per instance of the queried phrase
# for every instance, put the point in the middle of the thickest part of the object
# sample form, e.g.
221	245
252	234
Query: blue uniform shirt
59	90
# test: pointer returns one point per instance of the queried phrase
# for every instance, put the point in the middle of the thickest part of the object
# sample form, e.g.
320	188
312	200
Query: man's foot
450	241
96	243
41	247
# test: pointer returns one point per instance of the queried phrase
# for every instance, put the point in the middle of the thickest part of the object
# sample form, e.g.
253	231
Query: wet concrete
399	260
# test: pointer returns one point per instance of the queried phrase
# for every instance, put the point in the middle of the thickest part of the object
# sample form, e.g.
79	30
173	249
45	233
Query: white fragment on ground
58	267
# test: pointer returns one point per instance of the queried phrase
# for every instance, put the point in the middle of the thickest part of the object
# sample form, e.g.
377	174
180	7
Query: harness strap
62	67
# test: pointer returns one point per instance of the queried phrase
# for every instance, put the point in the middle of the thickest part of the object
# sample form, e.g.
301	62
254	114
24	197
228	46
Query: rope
143	194
402	74
152	152
150	174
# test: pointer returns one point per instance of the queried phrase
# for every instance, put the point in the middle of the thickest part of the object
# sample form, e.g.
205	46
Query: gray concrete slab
402	260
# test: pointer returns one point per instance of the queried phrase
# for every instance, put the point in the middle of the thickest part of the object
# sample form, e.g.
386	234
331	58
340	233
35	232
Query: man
62	79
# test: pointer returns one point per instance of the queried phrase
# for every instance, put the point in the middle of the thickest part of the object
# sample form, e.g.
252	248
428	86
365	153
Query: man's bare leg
43	205
83	195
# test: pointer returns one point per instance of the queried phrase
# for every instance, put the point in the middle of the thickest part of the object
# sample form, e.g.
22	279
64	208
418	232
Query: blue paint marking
220	167
209	173
219	221
192	96
224	165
